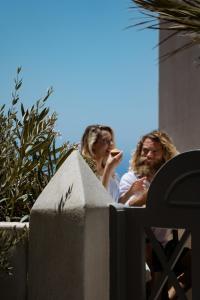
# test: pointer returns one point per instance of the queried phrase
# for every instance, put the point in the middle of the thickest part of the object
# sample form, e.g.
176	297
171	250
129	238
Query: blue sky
100	72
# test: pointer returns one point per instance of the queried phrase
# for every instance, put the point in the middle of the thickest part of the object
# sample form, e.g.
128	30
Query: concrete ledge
14	287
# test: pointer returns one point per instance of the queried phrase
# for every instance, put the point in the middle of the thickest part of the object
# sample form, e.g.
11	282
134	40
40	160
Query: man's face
151	158
152	152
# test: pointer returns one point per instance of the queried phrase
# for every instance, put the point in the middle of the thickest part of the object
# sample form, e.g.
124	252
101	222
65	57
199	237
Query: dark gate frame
173	202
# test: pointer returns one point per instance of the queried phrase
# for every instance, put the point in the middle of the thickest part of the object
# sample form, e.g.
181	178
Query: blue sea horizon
123	167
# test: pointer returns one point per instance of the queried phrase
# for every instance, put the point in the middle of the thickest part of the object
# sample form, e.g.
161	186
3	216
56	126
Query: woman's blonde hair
90	137
169	149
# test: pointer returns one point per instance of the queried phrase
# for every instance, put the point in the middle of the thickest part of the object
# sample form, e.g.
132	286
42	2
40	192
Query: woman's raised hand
113	161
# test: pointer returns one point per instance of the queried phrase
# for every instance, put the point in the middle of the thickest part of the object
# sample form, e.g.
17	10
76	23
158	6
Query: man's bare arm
138	200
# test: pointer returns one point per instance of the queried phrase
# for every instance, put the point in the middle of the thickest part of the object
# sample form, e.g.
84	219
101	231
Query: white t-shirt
163	235
113	187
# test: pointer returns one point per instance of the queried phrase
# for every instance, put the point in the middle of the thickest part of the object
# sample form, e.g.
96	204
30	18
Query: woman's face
103	145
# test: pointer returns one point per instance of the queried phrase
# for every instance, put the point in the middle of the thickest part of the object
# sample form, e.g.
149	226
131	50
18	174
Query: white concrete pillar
69	238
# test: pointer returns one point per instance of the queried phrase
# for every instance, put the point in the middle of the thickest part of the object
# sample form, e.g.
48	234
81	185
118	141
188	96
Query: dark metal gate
173	202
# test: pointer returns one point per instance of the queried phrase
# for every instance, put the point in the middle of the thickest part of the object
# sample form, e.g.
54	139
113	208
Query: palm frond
181	16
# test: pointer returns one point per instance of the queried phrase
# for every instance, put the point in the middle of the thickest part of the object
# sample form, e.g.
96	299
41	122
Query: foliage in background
181	17
28	154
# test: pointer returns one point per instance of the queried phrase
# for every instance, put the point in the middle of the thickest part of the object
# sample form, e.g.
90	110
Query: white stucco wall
179	95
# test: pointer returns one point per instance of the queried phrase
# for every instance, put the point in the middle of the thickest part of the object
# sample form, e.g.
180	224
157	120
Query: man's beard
147	170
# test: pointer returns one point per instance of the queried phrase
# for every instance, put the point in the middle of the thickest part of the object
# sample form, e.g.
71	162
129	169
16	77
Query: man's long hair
169	149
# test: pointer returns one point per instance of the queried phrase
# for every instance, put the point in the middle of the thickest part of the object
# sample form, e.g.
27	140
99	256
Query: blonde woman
97	144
